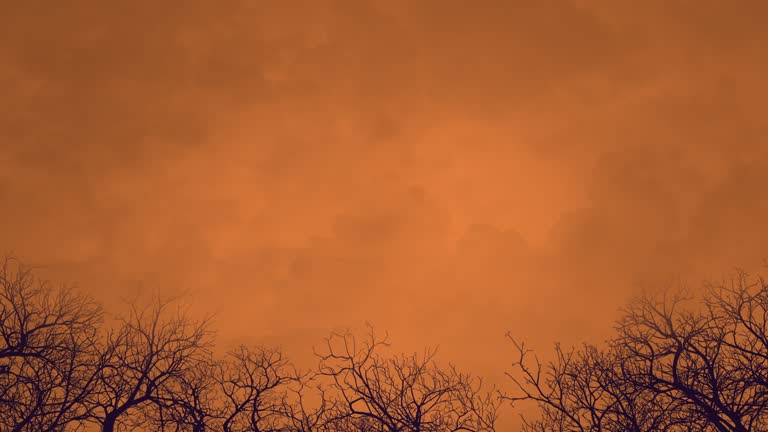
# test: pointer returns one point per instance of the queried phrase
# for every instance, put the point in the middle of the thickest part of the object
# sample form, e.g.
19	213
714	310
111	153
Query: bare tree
586	390
153	349
712	357
187	402
738	314
401	393
308	406
48	352
153	369
253	383
673	365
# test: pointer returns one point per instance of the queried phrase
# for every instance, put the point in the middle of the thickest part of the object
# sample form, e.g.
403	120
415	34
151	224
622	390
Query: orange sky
445	170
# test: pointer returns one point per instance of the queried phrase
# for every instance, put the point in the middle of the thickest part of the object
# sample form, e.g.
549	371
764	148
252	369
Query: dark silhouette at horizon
679	361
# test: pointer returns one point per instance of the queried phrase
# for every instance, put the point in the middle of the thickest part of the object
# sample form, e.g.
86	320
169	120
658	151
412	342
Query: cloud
445	172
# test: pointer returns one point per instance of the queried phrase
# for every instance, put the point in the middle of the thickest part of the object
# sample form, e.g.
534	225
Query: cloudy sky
445	170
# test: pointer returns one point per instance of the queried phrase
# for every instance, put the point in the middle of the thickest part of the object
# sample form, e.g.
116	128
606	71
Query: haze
444	170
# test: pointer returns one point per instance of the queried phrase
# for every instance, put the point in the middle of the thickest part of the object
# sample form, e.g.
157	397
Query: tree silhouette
254	384
677	362
672	366
145	362
187	402
48	352
585	390
401	393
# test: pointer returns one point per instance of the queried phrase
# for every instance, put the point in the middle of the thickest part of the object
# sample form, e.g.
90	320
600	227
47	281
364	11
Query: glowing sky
446	170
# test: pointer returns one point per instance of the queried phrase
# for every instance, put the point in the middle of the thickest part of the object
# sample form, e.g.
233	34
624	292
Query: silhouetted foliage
48	352
146	363
402	393
670	367
676	362
153	369
187	402
254	384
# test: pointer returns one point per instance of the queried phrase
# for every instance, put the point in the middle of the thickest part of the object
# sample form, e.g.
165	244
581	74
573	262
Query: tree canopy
678	360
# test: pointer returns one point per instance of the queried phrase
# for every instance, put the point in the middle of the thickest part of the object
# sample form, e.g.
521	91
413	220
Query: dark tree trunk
109	424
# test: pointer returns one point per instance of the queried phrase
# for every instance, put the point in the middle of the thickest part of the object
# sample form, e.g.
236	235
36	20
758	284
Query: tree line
62	369
676	362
